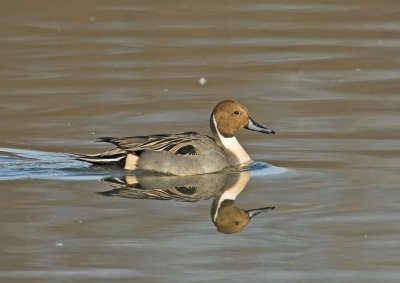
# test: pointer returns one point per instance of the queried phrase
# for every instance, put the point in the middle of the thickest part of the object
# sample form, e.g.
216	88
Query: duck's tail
114	156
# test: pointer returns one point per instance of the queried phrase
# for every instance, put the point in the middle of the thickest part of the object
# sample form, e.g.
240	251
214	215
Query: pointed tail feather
98	159
111	157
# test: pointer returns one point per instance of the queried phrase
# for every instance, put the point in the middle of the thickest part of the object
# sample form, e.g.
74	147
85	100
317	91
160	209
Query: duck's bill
256	211
254	126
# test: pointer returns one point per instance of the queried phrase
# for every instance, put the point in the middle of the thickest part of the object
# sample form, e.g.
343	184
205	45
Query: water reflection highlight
224	187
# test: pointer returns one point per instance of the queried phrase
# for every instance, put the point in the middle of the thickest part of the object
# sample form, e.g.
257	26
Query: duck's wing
179	143
175	193
185	143
162	187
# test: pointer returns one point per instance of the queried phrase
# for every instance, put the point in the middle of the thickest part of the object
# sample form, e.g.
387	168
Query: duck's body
187	153
223	186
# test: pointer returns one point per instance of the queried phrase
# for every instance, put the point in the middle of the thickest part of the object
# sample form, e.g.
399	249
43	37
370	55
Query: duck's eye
236	112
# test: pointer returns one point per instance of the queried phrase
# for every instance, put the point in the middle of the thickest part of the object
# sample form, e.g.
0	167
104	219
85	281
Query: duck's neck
235	152
229	193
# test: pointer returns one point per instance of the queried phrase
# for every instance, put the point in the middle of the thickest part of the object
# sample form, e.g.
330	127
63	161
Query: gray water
325	76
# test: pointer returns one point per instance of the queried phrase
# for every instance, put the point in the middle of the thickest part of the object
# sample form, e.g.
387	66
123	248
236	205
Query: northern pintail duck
186	153
224	187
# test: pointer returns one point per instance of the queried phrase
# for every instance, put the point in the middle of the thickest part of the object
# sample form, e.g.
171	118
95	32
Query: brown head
231	219
231	116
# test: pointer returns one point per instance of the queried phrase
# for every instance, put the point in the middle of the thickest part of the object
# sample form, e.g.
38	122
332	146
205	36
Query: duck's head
229	116
231	219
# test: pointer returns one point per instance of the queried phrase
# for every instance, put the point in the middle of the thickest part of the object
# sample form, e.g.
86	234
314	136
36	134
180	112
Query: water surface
324	76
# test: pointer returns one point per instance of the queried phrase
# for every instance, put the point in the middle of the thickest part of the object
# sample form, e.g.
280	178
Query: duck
224	187
185	153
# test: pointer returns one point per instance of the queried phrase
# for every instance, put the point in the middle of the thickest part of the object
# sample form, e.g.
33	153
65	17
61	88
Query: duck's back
186	153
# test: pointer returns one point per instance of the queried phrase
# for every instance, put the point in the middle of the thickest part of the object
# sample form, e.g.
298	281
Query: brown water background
324	74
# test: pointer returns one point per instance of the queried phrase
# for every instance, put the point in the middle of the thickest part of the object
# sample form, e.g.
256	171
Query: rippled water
325	76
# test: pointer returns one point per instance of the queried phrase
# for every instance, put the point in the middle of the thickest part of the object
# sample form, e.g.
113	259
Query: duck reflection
224	187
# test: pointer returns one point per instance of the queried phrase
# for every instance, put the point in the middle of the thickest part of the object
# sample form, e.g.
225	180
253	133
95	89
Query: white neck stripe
233	146
233	191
